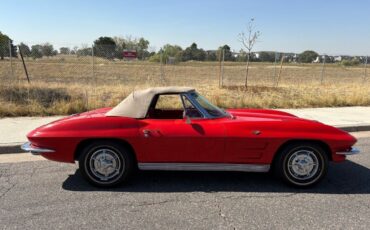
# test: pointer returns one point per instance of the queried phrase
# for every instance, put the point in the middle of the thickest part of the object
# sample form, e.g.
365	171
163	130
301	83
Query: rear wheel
301	164
106	163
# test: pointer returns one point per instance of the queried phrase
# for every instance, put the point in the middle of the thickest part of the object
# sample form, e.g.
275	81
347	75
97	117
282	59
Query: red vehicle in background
175	128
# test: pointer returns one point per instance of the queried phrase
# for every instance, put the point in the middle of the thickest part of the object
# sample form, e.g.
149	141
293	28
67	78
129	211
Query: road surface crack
155	203
6	184
223	215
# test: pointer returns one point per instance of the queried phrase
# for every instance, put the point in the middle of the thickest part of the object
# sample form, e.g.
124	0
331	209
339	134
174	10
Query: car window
167	106
169	102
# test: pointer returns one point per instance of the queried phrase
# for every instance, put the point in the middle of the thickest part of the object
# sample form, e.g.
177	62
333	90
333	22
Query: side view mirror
187	120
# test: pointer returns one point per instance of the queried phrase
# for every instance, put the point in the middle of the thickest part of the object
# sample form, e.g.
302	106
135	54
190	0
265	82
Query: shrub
353	62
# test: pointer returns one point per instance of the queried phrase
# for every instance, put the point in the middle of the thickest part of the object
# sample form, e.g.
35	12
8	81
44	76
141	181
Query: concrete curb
16	148
357	128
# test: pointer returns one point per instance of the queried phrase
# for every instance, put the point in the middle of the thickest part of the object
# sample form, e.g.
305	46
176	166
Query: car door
245	140
177	140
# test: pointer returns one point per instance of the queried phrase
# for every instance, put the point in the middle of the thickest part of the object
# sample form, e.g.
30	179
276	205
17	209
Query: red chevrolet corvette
175	128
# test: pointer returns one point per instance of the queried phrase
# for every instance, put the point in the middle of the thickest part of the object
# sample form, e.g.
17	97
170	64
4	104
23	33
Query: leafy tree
211	55
4	46
25	49
308	56
142	48
242	56
36	51
172	50
266	56
193	53
84	51
105	47
64	50
166	52
353	62
120	46
227	52
47	49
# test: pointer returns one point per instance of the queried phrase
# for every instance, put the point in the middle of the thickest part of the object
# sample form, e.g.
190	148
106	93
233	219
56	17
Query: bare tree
248	40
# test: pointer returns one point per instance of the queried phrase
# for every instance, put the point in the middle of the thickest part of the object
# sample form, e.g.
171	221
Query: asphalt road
48	195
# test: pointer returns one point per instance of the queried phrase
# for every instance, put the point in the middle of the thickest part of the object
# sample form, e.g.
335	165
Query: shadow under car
344	178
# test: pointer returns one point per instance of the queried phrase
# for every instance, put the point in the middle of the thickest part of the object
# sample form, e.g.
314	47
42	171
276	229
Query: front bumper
351	151
35	150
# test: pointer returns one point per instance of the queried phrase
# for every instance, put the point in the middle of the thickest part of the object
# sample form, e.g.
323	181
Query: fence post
280	70
323	69
94	78
219	71
222	68
161	68
10	58
93	64
24	65
365	75
276	54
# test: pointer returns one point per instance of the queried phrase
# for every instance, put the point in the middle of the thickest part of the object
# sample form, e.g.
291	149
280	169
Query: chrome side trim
352	151
204	167
35	150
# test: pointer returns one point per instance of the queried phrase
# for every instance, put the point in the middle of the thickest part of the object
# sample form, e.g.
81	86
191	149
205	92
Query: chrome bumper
35	150
352	151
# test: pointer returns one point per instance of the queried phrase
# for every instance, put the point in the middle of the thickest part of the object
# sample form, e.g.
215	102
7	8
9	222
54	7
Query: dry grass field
66	85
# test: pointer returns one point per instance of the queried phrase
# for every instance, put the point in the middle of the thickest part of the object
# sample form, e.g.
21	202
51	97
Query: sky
328	27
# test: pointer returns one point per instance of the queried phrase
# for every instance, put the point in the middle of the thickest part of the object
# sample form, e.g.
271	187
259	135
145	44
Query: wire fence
90	68
103	68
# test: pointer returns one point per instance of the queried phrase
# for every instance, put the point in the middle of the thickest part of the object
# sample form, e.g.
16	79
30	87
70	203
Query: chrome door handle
146	132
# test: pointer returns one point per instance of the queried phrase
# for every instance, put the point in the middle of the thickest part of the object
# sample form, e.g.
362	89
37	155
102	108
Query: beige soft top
136	104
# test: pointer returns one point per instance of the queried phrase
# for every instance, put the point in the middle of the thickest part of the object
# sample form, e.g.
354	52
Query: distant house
235	54
256	55
337	58
317	60
295	58
290	57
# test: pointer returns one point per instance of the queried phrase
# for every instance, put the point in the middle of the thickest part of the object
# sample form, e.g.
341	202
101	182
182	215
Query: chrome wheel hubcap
105	164
303	164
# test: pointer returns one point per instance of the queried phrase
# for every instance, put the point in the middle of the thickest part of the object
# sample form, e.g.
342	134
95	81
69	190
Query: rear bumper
351	151
35	150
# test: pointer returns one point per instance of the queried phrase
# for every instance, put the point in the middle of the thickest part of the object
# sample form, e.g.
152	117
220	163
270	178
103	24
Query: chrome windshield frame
199	107
196	105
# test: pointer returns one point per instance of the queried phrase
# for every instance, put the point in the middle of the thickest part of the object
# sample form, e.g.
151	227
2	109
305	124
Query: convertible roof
137	103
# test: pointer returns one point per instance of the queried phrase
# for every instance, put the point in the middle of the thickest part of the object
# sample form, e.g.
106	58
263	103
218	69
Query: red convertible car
175	128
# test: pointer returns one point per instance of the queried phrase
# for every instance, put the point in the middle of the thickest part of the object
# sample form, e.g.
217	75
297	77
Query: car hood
262	113
281	121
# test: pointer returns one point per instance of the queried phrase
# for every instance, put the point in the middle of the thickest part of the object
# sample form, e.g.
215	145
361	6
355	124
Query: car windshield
211	109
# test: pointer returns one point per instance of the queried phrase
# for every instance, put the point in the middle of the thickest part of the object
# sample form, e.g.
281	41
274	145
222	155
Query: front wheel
302	164
105	163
